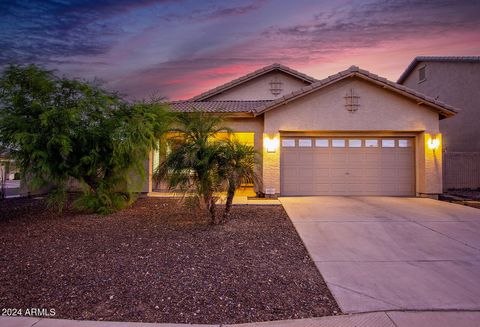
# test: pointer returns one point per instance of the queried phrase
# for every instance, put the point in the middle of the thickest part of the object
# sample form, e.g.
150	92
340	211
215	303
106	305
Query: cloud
181	48
368	24
37	31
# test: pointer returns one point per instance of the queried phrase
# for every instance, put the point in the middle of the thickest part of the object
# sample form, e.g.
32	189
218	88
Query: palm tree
236	167
192	165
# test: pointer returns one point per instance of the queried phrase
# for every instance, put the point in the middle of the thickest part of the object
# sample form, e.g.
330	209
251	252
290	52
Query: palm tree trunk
211	209
228	203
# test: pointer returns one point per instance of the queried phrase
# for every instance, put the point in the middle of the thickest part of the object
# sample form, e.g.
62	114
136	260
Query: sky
178	49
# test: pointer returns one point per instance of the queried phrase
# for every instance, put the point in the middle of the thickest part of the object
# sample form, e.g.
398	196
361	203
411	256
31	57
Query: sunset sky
181	48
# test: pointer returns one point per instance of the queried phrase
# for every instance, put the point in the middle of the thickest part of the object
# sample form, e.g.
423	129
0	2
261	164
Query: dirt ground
158	261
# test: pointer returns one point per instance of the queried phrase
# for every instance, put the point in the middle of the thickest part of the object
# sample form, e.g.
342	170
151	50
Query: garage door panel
353	168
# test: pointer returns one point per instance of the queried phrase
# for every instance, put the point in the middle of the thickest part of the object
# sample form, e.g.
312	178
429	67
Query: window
305	143
354	143
288	143
321	143
388	143
338	143
371	143
404	143
422	75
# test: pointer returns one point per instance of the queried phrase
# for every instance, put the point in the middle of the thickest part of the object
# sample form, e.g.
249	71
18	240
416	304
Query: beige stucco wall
458	84
259	88
380	110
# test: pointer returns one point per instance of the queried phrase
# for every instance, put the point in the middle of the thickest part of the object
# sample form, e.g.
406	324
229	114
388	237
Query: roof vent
276	86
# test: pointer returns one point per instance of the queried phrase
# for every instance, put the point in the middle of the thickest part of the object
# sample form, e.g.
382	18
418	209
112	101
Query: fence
461	170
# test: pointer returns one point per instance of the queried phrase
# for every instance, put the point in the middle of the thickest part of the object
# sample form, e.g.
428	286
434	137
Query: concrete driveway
383	253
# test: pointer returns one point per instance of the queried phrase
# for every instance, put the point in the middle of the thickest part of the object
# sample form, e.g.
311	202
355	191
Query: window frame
385	140
288	146
305	146
336	146
322	146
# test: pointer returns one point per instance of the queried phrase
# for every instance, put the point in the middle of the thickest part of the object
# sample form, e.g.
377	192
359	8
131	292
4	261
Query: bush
57	129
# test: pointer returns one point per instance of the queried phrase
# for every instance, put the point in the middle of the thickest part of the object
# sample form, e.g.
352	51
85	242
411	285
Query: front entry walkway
382	253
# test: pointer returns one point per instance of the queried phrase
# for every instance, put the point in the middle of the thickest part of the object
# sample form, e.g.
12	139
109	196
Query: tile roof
245	78
229	106
444	109
468	59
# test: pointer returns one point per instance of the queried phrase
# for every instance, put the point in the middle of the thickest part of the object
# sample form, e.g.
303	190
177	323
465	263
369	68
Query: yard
158	262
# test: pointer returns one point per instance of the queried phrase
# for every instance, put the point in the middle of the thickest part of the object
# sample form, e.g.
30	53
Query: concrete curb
372	319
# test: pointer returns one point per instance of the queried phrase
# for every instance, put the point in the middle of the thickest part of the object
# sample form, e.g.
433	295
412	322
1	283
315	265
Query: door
347	166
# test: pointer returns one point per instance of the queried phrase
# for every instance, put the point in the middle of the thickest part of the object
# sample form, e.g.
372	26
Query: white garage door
347	166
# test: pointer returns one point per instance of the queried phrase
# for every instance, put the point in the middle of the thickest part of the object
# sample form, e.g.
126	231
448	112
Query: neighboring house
455	80
353	133
9	176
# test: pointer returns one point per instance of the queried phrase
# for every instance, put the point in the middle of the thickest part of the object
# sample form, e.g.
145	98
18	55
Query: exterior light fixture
433	144
271	144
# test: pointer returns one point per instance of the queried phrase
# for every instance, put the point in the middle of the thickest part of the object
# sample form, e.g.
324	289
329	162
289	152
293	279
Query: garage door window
321	143
388	143
338	143
404	143
305	143
354	143
288	143
371	143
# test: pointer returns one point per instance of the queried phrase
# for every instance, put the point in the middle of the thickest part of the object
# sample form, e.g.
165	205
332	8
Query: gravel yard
158	262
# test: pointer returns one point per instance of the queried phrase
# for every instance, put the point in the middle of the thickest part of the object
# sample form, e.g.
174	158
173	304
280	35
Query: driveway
383	253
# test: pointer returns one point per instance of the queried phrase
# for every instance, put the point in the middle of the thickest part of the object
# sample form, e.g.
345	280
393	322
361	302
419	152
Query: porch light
271	144
433	143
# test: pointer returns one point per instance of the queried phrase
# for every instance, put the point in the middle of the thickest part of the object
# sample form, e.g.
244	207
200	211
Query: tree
191	166
58	129
236	167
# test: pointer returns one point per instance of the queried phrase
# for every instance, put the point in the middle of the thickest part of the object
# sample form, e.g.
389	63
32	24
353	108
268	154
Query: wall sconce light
433	144
271	144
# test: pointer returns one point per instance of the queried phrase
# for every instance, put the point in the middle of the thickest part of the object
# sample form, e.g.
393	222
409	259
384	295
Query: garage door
347	166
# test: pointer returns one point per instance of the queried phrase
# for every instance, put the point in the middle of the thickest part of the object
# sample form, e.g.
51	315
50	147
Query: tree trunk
211	209
228	203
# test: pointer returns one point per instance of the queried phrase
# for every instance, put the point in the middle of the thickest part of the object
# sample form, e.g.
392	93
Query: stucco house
455	80
353	133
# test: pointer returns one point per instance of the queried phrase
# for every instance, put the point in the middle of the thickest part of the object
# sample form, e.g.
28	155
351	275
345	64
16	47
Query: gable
287	74
324	110
270	86
442	108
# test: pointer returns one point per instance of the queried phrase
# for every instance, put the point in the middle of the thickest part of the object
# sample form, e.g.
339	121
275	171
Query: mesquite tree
59	129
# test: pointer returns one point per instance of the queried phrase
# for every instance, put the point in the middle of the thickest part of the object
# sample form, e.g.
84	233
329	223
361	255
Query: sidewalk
373	319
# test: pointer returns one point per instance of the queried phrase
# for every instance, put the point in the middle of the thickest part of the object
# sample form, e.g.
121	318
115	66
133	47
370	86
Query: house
353	133
455	80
